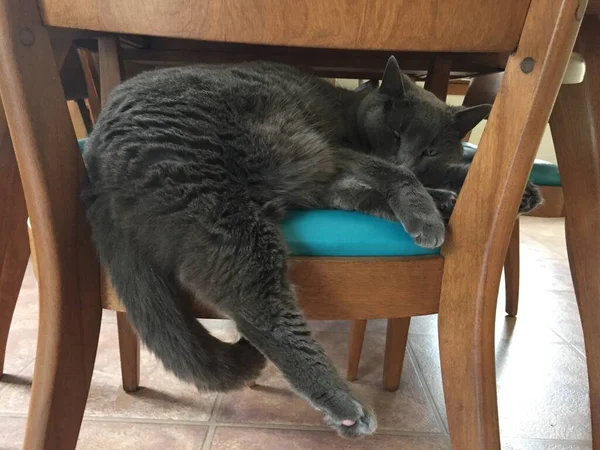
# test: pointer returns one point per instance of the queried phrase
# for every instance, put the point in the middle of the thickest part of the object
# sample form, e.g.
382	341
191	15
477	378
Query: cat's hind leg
246	277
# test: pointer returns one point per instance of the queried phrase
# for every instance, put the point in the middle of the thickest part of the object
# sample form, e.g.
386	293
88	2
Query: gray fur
192	169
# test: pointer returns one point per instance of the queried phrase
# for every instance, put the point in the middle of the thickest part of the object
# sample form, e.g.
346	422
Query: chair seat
543	173
344	233
347	233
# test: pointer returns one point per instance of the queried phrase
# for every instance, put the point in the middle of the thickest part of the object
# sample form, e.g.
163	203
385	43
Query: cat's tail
166	325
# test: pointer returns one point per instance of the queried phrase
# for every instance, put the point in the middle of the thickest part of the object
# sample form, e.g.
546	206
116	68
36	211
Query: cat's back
190	123
233	87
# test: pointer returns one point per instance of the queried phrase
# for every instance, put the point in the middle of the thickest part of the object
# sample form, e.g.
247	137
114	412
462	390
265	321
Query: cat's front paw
532	198
444	200
363	422
427	229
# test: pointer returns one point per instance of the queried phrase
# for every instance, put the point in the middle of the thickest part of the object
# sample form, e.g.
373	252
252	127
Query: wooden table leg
14	243
575	125
484	217
52	172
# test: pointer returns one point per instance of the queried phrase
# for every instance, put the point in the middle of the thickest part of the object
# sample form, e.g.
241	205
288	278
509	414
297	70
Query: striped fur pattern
190	173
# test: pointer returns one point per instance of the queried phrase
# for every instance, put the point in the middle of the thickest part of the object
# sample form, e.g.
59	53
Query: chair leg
357	337
52	173
396	340
475	249
129	346
575	126
129	350
14	242
438	77
511	273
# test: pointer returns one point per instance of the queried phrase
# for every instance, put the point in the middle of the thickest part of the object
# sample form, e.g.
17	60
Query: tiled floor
542	381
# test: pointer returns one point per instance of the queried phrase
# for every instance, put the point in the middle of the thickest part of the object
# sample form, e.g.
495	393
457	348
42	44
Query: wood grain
14	244
52	172
483	219
342	288
92	82
306	23
511	272
396	339
438	77
357	338
129	352
575	126
323	62
110	66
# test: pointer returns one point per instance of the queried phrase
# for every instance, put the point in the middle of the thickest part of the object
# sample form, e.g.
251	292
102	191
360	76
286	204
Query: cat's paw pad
364	425
532	198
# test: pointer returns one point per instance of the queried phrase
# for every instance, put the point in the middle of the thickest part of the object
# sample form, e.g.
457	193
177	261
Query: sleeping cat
430	152
190	172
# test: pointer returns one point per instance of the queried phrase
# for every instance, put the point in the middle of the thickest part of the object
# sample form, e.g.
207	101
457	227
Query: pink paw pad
348	422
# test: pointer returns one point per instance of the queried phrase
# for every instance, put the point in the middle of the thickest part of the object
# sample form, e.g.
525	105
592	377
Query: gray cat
428	146
192	169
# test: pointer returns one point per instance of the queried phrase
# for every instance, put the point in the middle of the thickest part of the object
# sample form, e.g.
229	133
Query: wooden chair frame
482	89
461	284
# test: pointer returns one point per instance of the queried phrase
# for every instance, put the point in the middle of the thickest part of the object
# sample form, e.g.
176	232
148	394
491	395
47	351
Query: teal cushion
321	232
543	173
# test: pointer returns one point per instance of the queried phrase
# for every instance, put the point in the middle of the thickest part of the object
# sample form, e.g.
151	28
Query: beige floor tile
161	396
229	438
12	433
27	303
557	310
100	435
20	348
272	402
542	390
524	444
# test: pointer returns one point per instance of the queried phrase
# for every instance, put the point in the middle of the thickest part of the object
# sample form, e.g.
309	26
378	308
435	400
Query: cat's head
402	122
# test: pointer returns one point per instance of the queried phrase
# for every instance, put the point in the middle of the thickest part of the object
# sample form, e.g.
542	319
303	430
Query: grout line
428	394
570	344
212	423
384	432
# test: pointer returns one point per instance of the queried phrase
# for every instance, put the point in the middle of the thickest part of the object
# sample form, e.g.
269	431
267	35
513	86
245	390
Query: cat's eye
430	152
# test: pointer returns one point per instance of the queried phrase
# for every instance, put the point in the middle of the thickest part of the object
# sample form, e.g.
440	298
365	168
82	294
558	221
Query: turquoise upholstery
345	233
543	173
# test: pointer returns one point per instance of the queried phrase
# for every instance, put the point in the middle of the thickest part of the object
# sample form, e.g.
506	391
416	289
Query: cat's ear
465	119
392	82
368	86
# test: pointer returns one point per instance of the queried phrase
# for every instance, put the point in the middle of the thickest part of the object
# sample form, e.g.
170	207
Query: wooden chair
482	89
14	243
461	284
